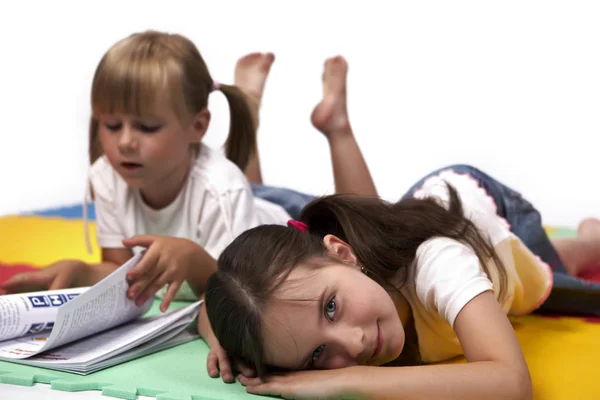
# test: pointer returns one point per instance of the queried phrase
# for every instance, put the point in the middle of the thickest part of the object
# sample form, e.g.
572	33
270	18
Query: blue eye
317	353
330	308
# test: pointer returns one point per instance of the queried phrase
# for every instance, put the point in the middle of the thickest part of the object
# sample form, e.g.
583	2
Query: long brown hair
384	237
135	70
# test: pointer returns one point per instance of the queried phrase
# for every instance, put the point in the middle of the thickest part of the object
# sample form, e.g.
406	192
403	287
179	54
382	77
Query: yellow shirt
447	274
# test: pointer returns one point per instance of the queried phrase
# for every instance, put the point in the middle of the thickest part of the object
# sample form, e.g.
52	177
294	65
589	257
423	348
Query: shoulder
103	178
447	275
100	168
433	254
214	172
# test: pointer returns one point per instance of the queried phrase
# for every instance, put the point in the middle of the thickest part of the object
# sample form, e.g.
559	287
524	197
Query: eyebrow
305	362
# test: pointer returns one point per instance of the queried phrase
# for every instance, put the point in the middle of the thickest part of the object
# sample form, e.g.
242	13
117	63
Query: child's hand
218	362
167	261
310	384
60	275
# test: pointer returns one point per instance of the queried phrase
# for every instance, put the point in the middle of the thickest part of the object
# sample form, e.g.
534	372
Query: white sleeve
225	218
108	230
448	275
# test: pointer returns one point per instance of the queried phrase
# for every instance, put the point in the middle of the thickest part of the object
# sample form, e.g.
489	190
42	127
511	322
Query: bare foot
589	228
251	73
330	116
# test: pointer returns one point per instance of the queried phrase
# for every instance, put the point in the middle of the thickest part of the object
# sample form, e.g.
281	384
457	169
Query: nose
127	140
352	341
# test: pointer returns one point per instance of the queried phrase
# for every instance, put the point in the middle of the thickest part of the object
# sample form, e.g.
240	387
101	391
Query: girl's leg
578	253
583	251
251	73
330	117
589	227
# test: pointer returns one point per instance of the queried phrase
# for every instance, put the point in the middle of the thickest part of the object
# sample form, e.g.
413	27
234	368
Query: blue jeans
569	295
293	202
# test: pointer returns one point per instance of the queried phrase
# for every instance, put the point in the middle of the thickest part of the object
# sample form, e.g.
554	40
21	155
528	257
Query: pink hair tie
299	226
216	86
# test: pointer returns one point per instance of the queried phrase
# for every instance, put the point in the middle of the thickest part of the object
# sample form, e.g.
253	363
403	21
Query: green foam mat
177	373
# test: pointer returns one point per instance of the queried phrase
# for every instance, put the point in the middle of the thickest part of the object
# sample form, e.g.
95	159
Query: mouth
378	342
129	166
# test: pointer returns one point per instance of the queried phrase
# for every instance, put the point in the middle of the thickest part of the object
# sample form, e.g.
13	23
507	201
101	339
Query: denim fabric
293	202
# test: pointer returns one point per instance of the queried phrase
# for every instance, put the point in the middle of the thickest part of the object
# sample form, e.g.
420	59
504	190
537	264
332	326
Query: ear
199	126
337	247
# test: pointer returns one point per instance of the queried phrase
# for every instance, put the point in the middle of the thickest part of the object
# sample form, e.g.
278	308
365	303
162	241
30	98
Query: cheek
337	362
109	144
165	147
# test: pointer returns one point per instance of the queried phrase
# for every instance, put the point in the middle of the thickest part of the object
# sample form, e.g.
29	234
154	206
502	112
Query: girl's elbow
526	388
521	385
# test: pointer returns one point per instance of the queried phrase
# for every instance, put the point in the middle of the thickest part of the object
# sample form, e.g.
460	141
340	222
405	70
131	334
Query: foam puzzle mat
562	352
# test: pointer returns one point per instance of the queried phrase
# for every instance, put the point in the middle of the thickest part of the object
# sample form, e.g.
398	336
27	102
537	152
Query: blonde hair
136	70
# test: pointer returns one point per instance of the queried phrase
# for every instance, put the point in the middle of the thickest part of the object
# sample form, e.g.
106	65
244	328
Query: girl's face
151	152
331	317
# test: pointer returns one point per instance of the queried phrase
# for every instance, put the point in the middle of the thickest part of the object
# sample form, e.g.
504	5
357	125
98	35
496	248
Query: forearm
477	380
350	170
204	328
94	273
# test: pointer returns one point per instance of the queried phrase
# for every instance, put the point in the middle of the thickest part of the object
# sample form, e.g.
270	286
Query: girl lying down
312	310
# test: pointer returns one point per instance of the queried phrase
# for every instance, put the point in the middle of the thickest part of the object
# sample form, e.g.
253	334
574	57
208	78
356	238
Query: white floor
42	391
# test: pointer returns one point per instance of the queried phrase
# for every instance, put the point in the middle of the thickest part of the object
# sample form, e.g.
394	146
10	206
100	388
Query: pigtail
94	146
241	141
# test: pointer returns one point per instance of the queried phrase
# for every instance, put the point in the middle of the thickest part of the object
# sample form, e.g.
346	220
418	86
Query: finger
139	240
18	282
212	362
61	281
225	367
246	381
152	287
147	263
170	295
138	287
245	370
272	389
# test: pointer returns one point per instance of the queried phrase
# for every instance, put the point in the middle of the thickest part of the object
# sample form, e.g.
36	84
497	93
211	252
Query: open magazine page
101	307
120	338
123	342
31	313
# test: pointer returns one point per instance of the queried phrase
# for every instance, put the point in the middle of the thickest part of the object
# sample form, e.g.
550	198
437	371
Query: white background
512	87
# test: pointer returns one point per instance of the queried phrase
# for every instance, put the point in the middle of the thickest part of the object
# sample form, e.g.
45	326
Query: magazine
84	330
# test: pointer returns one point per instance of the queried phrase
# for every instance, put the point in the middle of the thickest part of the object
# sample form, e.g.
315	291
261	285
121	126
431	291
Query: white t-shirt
214	206
447	274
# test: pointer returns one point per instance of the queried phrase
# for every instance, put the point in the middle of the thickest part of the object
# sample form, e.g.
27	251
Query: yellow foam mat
563	356
39	241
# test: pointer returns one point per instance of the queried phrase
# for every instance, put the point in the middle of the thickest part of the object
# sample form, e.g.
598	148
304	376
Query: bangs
138	83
